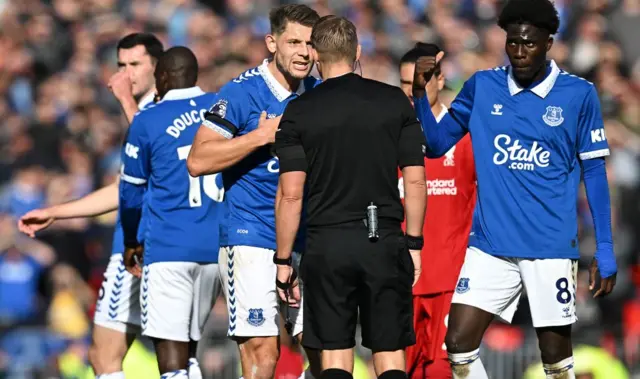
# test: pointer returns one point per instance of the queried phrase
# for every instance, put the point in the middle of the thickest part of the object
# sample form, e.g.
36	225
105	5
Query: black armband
415	243
282	261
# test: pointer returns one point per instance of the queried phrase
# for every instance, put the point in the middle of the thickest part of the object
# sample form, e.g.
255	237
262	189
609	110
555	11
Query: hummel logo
496	110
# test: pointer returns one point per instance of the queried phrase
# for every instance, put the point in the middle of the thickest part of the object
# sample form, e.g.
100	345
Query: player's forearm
131	198
415	198
440	136
94	204
210	156
597	189
129	107
288	211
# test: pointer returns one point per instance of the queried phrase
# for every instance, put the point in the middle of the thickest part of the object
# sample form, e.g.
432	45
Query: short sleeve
462	105
592	141
411	144
136	154
288	145
228	114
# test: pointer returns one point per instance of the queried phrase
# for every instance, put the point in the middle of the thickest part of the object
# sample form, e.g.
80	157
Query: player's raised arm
217	144
443	135
133	183
121	87
592	148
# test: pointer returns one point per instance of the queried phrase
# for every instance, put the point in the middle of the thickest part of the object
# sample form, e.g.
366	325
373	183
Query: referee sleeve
411	145
288	145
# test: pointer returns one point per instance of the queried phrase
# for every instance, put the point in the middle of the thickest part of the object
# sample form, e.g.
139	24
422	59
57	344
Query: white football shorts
177	298
249	278
494	284
118	304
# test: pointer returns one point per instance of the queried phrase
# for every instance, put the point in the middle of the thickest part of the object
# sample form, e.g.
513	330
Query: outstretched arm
94	204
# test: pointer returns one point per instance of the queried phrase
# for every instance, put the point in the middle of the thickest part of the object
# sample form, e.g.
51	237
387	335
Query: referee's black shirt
350	135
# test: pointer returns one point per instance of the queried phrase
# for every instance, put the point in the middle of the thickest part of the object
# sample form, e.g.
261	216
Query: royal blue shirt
527	144
181	212
117	246
250	185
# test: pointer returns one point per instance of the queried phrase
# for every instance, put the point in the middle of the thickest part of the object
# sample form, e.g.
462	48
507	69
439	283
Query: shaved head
177	68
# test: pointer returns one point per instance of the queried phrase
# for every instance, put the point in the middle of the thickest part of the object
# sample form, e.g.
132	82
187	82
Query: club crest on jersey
448	157
255	317
553	116
463	285
219	108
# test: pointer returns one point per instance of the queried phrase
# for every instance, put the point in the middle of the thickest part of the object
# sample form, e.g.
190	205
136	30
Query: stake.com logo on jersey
518	157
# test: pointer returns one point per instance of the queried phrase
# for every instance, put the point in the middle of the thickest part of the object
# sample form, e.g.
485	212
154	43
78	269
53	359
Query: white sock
306	375
194	369
562	369
178	374
467	365
113	375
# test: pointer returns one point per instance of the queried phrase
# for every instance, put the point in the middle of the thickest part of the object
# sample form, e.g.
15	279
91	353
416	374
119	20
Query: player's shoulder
496	74
311	82
573	83
242	85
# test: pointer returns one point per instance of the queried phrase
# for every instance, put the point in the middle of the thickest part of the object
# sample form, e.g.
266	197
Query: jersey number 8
208	183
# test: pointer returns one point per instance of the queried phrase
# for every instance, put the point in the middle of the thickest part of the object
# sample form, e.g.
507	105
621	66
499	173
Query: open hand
35	221
268	127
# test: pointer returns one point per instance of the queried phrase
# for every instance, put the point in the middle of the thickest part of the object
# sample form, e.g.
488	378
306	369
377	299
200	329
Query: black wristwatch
415	243
282	261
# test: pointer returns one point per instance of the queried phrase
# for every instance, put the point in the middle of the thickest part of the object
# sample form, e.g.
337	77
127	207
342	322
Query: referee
344	141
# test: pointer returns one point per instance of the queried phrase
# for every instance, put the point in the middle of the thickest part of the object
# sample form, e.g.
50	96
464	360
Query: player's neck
289	83
334	70
436	108
144	95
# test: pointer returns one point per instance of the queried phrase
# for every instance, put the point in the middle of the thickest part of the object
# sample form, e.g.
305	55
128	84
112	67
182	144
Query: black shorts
344	272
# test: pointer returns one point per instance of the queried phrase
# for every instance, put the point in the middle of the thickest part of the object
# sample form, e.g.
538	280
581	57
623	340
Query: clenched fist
425	67
120	85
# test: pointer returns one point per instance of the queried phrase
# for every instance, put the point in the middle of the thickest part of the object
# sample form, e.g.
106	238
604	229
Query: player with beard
231	141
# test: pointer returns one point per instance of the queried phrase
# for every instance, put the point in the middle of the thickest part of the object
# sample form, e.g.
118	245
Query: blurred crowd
61	130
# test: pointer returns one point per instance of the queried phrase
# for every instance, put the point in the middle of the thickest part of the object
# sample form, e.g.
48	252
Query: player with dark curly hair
534	130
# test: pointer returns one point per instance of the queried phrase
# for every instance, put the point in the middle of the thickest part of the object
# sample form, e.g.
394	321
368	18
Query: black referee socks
393	374
335	373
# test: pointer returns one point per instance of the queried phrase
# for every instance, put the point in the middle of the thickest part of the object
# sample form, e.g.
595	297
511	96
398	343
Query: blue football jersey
527	146
250	185
181	213
117	245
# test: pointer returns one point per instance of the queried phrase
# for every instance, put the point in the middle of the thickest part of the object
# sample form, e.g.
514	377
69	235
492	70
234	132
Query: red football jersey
451	199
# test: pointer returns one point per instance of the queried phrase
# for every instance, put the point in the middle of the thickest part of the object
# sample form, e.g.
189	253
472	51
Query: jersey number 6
208	183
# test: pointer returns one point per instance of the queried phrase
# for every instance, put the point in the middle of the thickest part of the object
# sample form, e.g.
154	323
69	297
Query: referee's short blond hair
335	39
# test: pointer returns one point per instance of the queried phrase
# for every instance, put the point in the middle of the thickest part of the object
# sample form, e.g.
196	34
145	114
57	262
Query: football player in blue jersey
117	316
179	267
231	140
535	129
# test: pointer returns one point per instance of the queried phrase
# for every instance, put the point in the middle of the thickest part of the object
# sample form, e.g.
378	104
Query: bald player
179	266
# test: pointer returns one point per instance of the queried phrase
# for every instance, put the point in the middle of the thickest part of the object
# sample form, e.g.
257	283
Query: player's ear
270	41
549	43
440	81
